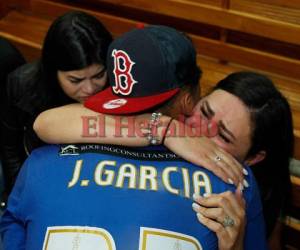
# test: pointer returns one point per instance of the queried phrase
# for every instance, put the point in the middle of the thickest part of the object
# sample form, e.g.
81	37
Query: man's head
149	68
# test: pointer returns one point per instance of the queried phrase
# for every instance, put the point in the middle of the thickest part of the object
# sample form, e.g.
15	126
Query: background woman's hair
272	132
74	41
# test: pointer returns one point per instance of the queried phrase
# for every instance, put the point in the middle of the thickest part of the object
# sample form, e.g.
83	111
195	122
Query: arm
76	124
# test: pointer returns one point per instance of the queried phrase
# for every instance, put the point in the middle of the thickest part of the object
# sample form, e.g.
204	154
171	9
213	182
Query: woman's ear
260	156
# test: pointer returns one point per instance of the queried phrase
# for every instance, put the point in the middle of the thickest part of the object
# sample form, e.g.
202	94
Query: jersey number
92	238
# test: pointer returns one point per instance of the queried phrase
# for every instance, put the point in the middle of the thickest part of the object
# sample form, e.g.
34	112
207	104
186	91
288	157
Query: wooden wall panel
268	9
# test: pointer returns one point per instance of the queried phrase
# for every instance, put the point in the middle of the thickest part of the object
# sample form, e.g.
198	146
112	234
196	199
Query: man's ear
260	156
187	104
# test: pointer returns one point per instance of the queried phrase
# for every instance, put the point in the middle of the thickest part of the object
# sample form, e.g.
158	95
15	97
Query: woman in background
71	68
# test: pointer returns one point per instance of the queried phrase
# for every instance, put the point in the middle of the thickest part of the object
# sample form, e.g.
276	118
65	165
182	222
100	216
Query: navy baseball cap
145	68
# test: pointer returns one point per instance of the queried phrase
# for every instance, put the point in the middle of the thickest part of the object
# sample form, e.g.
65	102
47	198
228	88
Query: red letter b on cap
123	78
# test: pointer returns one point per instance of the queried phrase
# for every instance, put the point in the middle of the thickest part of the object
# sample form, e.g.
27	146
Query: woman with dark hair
71	68
255	126
270	145
272	138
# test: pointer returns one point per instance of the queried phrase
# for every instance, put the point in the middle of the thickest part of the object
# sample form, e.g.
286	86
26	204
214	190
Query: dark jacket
17	136
28	94
10	59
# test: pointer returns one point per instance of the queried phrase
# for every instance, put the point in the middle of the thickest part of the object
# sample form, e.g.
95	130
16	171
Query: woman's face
232	119
83	83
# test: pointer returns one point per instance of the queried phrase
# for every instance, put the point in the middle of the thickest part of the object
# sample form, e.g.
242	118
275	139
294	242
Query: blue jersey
90	197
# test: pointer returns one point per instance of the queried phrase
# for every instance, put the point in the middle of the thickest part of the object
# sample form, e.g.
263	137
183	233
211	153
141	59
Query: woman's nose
196	120
89	88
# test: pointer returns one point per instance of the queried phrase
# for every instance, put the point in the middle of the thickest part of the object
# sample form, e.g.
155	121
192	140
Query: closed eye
75	81
204	112
224	138
100	75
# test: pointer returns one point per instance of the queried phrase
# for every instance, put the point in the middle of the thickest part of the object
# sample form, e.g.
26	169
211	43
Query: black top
10	59
17	137
26	97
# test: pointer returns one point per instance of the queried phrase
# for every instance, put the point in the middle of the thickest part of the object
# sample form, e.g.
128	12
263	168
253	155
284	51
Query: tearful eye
224	138
203	111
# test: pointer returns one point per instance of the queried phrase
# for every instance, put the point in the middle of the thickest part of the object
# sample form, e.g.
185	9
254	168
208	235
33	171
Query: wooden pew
237	36
291	227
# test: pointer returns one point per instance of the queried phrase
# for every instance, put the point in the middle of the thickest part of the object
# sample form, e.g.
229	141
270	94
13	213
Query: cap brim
107	102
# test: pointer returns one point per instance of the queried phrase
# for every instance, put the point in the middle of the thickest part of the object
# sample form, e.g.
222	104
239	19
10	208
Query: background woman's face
232	118
83	83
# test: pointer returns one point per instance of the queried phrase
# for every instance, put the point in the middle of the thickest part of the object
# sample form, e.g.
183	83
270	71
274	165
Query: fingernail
240	187
246	184
206	194
196	207
245	172
230	181
196	196
200	216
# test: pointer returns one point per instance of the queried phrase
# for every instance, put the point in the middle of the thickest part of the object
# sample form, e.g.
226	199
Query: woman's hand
204	152
224	214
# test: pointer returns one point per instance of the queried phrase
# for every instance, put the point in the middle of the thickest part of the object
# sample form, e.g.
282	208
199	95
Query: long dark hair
74	41
272	132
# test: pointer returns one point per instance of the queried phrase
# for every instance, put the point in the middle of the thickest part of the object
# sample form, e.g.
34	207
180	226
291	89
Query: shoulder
40	159
7	49
44	152
21	80
11	58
